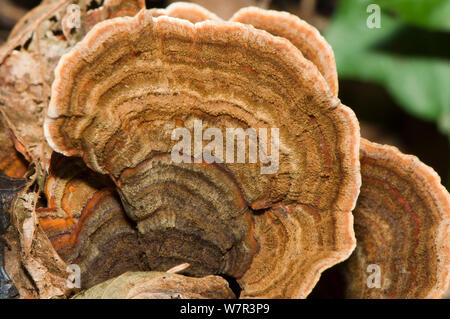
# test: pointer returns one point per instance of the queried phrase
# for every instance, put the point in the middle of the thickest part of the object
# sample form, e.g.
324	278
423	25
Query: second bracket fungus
301	34
186	11
402	222
120	94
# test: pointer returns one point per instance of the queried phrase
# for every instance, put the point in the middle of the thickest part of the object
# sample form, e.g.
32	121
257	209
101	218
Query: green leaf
420	84
432	14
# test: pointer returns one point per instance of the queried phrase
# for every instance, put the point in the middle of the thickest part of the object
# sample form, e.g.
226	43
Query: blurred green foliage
430	14
409	54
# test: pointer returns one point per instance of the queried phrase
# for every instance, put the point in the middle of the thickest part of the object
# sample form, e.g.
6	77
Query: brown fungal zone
401	224
86	224
113	9
118	96
300	33
189	213
159	285
121	92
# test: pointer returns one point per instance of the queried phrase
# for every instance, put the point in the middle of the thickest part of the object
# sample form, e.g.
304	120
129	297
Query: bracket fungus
402	221
86	224
300	33
119	94
152	112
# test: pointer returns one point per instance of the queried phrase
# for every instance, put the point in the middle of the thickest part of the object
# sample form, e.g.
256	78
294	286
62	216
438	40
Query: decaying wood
159	285
9	188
